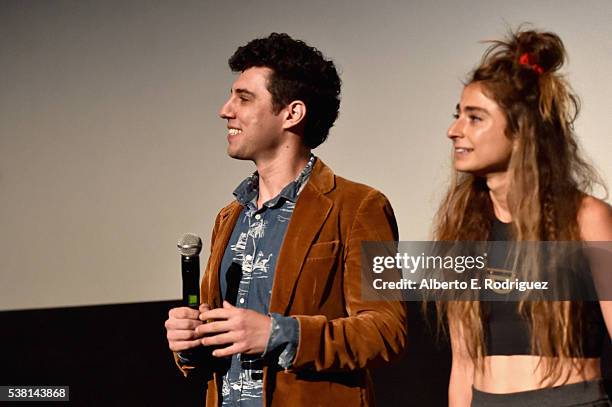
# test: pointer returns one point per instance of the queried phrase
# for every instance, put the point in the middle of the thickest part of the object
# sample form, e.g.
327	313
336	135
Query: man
299	333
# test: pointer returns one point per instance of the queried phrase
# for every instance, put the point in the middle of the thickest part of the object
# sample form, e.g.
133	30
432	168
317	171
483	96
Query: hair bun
545	50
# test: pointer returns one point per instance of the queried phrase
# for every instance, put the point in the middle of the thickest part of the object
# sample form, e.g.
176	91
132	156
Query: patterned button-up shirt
250	258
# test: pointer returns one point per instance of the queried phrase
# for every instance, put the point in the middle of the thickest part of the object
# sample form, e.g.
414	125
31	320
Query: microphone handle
190	270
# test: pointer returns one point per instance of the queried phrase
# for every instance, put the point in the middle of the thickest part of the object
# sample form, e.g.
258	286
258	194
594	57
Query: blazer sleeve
372	333
189	368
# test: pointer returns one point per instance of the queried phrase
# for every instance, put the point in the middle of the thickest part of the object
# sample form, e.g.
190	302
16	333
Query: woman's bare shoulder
595	219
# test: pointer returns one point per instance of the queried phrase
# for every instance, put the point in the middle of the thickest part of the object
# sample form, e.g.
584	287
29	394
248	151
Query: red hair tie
528	60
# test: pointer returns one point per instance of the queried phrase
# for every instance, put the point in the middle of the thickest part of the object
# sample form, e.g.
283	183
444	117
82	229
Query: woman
519	176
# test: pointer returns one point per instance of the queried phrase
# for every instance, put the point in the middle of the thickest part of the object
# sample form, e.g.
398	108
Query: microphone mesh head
190	245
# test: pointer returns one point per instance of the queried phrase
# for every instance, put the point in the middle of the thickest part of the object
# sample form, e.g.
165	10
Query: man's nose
226	111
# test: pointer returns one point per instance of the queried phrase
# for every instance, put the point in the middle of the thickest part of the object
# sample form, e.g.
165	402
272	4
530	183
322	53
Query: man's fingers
180	327
217	313
178	346
181	335
204	308
191	324
213	327
221	339
183	313
229	351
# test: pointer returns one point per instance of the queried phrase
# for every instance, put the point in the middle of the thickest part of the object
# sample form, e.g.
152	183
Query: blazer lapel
226	226
311	210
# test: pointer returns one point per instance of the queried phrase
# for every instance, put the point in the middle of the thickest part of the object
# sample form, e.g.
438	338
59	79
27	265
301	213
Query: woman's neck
498	192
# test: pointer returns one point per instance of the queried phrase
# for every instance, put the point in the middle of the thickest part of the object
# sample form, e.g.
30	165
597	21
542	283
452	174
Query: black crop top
507	333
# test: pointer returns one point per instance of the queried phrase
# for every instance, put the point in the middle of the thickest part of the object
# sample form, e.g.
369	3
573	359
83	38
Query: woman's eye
474	118
455	116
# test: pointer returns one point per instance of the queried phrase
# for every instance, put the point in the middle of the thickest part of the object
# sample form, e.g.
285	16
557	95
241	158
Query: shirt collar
248	190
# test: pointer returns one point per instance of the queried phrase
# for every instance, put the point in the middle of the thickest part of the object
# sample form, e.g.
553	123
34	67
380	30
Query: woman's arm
595	222
462	370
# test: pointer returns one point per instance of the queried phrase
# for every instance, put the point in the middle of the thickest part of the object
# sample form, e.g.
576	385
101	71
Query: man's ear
294	114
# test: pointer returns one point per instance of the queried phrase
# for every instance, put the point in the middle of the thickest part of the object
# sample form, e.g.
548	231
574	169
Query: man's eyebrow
241	91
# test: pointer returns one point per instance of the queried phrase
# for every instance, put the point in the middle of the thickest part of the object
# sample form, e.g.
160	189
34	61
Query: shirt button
258	216
242	300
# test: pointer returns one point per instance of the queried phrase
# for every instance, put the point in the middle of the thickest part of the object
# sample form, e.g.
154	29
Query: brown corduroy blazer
317	281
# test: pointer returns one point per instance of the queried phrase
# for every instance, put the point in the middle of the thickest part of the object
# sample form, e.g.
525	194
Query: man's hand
245	330
181	325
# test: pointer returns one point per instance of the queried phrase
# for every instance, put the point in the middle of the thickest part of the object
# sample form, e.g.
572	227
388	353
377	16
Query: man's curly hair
300	72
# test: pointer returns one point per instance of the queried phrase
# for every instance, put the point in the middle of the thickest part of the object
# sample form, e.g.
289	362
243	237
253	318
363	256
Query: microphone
190	247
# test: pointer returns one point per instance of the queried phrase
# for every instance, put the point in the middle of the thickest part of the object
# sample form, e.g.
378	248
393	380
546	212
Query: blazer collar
311	211
322	177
